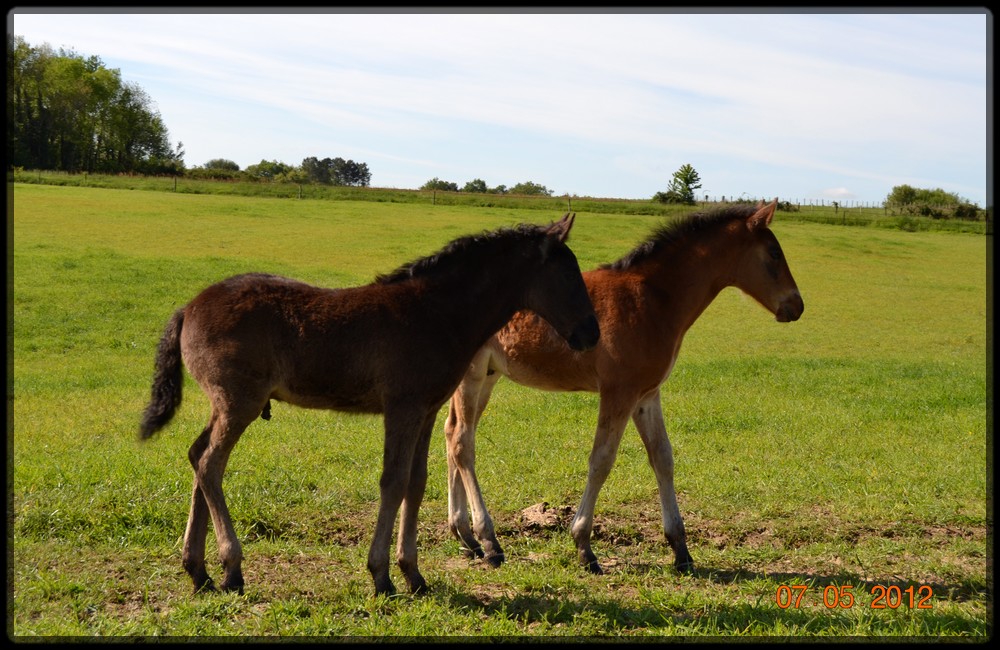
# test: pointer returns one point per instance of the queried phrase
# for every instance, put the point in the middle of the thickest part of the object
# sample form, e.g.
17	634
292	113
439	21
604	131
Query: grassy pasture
842	454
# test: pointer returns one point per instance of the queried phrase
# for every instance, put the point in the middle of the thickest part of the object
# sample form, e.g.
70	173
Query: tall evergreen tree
682	186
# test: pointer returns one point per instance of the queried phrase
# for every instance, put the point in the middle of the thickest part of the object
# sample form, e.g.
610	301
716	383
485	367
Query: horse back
272	337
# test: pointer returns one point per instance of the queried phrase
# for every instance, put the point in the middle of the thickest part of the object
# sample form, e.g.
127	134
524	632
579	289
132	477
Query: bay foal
645	303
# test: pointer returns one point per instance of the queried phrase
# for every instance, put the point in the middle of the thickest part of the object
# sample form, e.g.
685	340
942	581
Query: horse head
763	273
557	292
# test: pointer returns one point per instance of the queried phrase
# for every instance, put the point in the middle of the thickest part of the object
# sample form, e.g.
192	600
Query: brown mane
455	254
671	233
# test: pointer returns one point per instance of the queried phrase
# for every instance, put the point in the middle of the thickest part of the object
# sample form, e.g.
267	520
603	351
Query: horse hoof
595	568
495	560
418	586
233	581
473	553
206	587
385	589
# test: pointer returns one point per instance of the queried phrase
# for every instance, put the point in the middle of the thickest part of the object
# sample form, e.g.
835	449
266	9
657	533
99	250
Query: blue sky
802	106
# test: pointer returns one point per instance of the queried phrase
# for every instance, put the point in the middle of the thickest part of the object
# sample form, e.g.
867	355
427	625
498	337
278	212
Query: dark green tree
350	173
682	186
69	112
528	188
438	184
222	164
477	186
268	170
316	170
935	203
902	195
906	195
138	137
336	171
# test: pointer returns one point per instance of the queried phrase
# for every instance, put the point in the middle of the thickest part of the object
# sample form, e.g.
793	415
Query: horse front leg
648	418
402	429
464	493
611	421
406	551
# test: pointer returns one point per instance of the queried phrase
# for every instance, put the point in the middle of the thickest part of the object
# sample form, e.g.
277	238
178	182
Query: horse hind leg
482	523
458	513
464	493
648	419
209	456
193	558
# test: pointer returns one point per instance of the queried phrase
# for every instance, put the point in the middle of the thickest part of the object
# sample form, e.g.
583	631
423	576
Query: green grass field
837	456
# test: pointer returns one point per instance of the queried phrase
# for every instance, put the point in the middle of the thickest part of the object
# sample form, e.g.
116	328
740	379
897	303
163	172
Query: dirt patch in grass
746	530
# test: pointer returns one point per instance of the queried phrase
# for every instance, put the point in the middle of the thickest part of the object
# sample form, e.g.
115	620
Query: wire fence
815	203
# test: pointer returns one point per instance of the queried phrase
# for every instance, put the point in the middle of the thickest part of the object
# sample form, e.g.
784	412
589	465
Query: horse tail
168	380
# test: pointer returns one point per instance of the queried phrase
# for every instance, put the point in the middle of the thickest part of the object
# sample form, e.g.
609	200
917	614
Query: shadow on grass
687	613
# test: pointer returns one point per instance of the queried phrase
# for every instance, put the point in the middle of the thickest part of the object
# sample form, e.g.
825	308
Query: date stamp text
845	596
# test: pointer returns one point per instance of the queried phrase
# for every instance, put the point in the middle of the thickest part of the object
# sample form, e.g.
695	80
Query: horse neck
690	274
481	299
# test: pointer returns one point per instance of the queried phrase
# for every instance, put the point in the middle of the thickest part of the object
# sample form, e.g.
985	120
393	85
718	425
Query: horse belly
545	367
337	382
536	377
348	401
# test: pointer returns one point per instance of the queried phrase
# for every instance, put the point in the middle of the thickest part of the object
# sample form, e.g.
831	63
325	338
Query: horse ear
762	217
558	231
561	228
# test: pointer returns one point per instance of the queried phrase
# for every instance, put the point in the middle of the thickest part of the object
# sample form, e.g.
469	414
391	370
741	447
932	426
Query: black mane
457	253
670	233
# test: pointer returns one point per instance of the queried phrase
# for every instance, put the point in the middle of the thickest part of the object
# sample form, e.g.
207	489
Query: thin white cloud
838	193
844	95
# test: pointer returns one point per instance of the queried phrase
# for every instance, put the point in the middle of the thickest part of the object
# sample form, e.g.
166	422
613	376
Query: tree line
69	112
328	171
479	186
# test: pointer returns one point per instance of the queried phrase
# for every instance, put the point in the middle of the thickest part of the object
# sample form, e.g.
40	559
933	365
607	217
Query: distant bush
222	164
529	188
215	174
438	184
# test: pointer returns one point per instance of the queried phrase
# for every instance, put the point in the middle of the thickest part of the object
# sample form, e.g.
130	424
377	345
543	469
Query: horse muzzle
790	309
586	335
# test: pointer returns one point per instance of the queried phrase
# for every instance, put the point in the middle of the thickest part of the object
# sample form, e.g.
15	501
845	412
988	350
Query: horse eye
774	252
